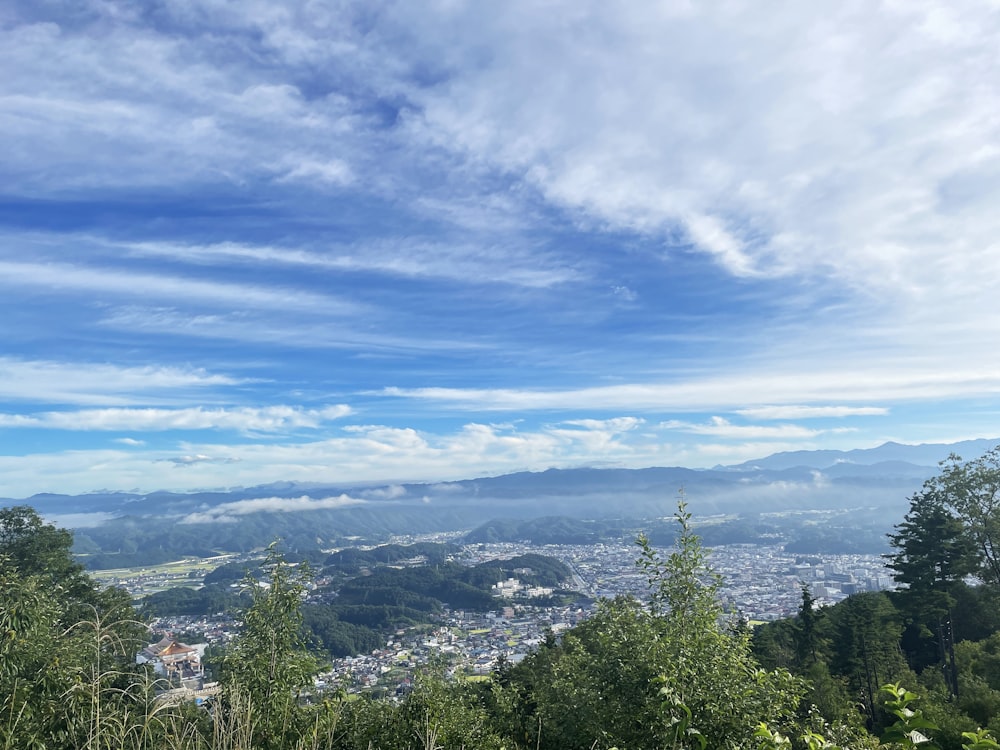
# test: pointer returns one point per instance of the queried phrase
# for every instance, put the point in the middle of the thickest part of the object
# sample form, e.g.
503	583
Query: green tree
67	649
934	551
807	638
667	674
865	651
972	490
945	537
268	667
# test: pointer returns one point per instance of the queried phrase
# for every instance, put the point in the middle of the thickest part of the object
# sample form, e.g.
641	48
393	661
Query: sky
363	241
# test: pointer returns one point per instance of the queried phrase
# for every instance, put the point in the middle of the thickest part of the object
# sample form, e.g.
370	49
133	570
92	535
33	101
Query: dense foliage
937	632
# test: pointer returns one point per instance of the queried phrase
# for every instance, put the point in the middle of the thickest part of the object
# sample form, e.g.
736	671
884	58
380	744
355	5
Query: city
759	584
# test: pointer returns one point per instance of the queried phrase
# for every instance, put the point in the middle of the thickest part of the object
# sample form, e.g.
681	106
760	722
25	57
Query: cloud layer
385	241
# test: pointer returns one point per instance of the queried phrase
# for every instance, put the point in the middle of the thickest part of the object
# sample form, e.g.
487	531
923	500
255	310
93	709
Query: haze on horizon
246	243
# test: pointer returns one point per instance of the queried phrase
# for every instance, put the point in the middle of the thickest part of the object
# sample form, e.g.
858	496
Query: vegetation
936	633
673	672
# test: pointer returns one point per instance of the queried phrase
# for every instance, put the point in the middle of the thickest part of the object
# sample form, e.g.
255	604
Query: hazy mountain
925	454
885	475
129	523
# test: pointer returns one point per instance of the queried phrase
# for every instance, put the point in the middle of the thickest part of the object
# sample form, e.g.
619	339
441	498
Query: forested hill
368	594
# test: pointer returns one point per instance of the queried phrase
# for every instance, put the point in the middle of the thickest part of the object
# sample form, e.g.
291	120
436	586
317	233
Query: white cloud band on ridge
228	512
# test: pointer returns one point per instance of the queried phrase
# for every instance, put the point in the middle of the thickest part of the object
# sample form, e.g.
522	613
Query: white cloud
856	144
840	160
228	512
398	455
271	329
510	263
617	424
96	383
61	277
888	382
708	233
199	458
126	104
392	492
334	171
720	427
241	419
792	411
624	293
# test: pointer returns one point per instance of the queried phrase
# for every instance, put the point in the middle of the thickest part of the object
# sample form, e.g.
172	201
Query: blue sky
375	241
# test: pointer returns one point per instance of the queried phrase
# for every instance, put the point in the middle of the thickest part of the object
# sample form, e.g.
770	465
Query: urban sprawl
759	583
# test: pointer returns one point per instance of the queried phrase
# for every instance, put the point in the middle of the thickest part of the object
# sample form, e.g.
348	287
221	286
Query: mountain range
884	476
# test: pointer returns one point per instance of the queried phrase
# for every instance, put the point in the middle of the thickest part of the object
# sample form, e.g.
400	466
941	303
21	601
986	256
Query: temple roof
168	647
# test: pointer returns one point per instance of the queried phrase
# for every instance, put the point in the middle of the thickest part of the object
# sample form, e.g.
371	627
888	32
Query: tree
934	549
268	666
667	674
706	667
866	629
807	640
972	490
67	649
34	547
935	553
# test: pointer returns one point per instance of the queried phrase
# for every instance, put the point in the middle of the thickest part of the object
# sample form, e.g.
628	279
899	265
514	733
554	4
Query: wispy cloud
887	384
209	118
511	263
44	381
617	424
269	330
599	436
568	214
792	411
241	419
392	492
130	441
199	458
65	277
809	94
723	428
395	455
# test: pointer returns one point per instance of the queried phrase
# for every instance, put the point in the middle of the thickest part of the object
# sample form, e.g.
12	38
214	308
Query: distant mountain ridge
890	459
146	525
924	454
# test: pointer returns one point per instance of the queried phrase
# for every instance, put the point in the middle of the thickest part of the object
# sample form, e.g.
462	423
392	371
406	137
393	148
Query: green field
190	572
